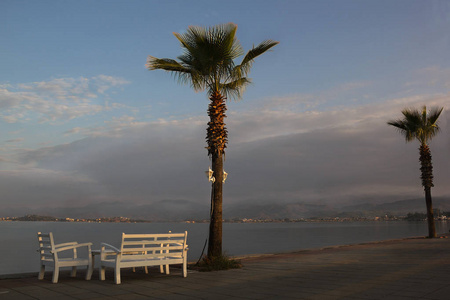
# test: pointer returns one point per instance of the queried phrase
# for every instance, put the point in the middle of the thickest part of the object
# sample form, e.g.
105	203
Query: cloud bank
334	156
57	99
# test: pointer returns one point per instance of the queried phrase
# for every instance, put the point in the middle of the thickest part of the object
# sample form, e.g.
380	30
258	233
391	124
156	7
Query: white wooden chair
50	256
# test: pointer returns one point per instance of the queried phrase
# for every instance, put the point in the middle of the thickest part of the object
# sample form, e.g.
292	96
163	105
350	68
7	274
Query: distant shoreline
36	218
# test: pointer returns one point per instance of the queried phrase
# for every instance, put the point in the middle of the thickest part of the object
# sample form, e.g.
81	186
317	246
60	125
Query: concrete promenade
402	269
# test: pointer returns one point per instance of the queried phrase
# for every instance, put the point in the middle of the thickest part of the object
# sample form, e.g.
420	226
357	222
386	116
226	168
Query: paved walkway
401	269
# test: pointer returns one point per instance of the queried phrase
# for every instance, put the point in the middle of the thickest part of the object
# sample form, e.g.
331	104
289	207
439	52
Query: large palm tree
422	125
208	64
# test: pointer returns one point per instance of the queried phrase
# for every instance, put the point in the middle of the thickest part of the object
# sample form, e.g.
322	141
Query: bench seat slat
143	256
147	235
139	263
140	249
150	242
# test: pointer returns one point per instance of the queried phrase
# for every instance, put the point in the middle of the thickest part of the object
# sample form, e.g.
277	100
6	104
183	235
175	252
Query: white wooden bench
49	254
145	250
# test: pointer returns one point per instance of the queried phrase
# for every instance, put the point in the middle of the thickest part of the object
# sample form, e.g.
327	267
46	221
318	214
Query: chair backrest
46	245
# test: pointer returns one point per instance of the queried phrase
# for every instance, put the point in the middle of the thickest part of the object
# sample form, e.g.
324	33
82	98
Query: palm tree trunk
430	215
215	225
217	138
426	168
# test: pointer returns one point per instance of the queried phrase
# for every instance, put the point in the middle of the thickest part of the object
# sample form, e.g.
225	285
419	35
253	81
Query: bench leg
41	272
167	270
185	266
184	270
101	272
117	275
161	269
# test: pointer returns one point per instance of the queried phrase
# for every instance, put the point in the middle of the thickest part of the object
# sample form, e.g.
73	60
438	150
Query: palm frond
431	122
403	129
182	72
166	64
253	53
207	61
234	89
434	115
418	124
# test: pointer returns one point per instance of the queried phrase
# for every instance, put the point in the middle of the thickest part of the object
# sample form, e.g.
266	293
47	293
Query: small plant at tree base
217	263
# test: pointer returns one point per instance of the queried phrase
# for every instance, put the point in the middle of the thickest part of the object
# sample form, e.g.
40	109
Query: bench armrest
181	244
110	247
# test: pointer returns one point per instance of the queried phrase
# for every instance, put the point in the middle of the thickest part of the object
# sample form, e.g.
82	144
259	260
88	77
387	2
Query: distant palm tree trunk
427	182
430	216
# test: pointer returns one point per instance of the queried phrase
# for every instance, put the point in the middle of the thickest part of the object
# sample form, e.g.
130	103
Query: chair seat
68	261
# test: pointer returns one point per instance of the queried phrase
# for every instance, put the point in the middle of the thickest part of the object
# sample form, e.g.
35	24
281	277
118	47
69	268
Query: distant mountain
278	211
307	210
179	210
165	210
398	207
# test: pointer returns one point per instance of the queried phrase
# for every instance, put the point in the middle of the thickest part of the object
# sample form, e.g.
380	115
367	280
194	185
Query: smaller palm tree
422	125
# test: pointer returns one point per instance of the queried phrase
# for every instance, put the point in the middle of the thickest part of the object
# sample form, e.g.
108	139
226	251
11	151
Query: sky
84	123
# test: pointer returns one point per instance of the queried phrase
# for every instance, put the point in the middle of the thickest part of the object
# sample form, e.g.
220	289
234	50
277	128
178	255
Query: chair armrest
110	247
65	244
73	246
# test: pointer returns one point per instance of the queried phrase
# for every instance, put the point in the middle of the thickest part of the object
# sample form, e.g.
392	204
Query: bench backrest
154	245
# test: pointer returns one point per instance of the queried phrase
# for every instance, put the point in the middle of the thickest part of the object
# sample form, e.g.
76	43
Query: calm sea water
19	241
